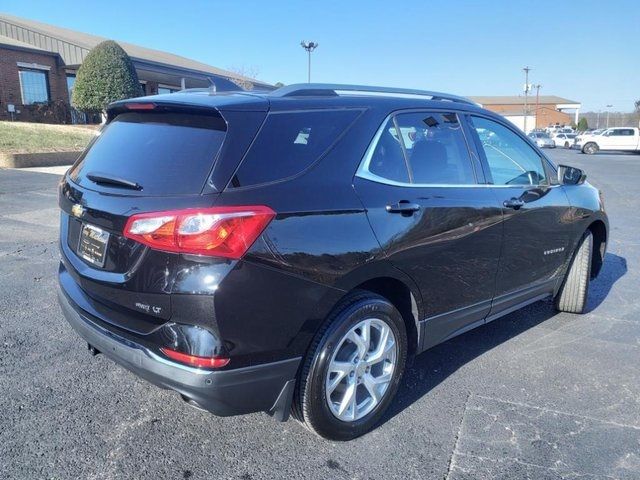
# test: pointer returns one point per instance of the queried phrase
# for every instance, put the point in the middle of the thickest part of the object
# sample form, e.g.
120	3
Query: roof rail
331	89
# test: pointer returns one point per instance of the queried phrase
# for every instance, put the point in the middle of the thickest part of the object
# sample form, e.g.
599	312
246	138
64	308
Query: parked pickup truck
620	138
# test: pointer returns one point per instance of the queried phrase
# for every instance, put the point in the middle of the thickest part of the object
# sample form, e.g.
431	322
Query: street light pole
537	87
309	47
526	94
608	107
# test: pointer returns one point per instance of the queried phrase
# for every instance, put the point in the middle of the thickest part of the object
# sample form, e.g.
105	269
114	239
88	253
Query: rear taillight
218	231
194	360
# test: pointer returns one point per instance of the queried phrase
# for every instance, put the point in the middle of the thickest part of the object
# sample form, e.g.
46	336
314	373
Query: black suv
289	251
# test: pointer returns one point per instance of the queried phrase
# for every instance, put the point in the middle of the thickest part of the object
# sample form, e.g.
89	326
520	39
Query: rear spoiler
142	105
199	102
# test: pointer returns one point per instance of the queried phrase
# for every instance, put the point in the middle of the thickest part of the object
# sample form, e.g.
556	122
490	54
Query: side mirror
571	175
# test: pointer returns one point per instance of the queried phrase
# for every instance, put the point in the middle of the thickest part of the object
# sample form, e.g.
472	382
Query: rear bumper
267	387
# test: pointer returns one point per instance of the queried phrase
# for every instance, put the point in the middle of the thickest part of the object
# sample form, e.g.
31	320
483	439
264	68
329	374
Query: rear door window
289	143
436	148
165	153
387	159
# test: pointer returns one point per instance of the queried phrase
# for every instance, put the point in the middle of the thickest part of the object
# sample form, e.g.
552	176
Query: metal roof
74	46
519	100
17	43
279	100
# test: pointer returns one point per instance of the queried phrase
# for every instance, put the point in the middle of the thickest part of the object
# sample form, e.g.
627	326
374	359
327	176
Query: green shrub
583	125
106	75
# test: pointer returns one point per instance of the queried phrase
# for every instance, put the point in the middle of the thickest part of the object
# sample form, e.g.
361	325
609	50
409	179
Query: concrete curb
40	159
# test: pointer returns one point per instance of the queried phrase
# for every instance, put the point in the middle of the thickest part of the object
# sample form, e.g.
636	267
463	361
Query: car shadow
435	365
613	268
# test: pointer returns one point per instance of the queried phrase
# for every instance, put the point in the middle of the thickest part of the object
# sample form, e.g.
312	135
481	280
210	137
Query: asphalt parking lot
535	394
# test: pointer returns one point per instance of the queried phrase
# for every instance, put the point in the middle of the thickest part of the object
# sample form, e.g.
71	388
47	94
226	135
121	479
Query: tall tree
106	75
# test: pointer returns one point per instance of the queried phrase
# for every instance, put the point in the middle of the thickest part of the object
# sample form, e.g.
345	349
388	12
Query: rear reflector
194	361
219	231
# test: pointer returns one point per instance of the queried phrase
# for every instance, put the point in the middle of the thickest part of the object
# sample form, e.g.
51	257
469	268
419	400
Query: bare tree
616	119
249	73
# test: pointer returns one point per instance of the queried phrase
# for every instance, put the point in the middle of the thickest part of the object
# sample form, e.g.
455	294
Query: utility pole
537	87
309	47
526	96
598	120
608	107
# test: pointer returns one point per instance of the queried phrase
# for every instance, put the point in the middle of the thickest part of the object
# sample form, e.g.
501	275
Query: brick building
541	111
39	62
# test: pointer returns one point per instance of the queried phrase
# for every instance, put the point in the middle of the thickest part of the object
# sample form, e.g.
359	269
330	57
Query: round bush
106	75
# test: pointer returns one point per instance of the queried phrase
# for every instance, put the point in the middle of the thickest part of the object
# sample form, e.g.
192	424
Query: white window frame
33	66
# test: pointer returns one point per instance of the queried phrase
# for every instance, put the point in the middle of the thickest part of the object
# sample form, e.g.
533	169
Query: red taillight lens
218	231
195	361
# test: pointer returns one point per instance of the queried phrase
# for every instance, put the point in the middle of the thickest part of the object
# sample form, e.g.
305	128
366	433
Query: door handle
514	203
403	206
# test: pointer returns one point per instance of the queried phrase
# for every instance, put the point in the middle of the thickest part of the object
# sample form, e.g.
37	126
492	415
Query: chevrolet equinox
288	251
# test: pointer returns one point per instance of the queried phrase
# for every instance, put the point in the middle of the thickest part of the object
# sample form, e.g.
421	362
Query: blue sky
587	51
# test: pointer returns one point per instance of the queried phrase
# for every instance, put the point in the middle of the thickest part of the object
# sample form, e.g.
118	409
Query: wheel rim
361	370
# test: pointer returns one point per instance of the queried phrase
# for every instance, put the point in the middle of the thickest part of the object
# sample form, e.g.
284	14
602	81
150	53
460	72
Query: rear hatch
150	157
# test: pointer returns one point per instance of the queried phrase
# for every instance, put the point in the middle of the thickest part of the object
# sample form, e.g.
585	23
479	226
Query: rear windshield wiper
105	178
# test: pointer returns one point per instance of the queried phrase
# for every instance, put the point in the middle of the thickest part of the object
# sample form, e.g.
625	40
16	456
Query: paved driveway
536	394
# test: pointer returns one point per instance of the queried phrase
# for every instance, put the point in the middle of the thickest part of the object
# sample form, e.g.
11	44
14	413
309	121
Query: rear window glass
290	142
165	153
387	160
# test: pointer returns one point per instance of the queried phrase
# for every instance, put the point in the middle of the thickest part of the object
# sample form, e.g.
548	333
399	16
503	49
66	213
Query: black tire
566	144
590	148
572	297
310	405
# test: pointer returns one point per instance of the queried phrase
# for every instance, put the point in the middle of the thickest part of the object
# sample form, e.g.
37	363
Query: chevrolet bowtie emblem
77	210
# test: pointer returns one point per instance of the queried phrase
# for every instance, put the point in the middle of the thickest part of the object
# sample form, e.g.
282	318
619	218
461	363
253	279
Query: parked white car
553	129
542	139
619	138
564	139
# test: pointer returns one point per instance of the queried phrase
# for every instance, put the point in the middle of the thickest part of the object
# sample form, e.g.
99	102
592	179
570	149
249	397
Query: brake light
140	106
218	231
195	361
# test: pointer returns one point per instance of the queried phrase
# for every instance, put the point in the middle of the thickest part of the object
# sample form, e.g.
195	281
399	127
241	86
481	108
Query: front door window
511	160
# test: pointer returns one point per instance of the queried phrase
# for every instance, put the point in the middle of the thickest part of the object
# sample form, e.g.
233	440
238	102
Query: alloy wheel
361	369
